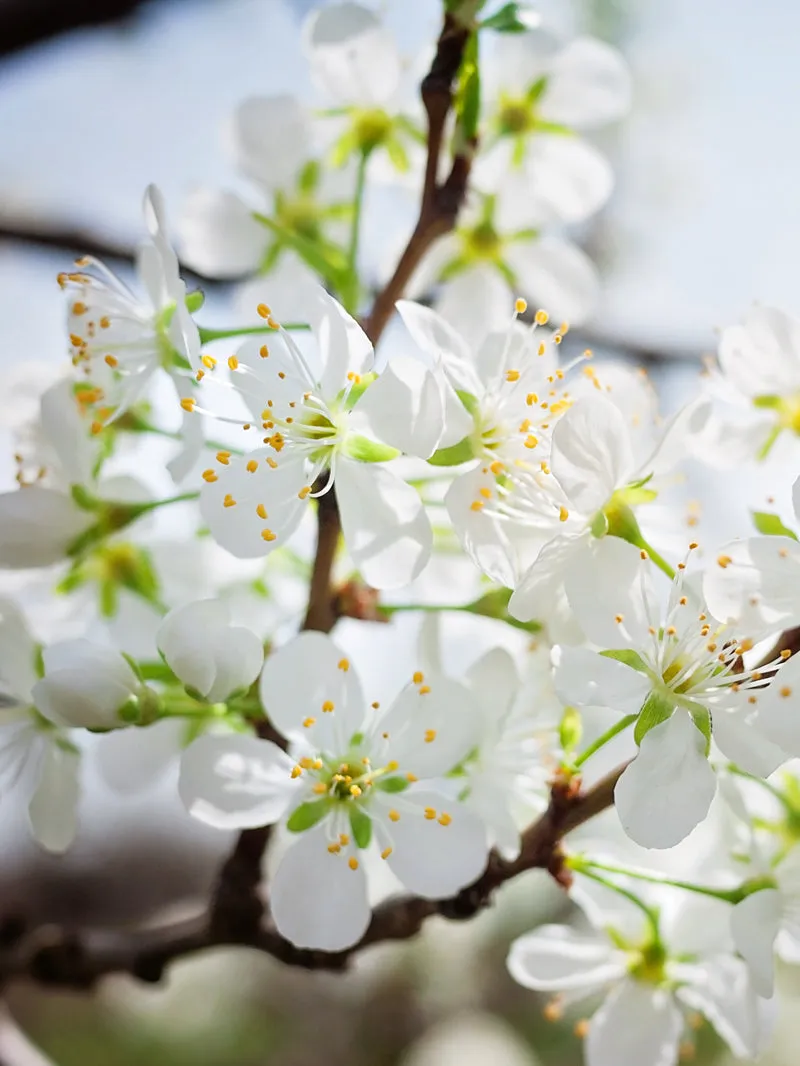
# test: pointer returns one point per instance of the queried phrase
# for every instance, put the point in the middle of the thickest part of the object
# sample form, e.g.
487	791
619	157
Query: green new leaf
361	827
701	717
307	815
511	18
454	455
392	784
628	656
468	99
771	525
570	730
655	710
368	451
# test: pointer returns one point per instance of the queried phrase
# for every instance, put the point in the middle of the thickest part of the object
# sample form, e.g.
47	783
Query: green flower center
371	128
648	963
482	242
516	116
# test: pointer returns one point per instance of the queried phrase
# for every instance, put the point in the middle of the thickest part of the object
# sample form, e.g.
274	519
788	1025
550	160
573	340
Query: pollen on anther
263	311
111	361
430	813
386	853
786	691
308	722
188	403
263	351
724	561
233	362
252	466
477	505
306	489
352	862
228	501
418	677
394	816
530	441
411	778
344	664
268	535
328	706
563	514
430	736
643	554
619	619
355	791
512	375
542	317
334	849
786	654
445	818
208	361
210	476
375	705
296	771
424	690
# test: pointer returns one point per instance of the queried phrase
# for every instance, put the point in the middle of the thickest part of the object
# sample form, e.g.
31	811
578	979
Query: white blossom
355	777
85	684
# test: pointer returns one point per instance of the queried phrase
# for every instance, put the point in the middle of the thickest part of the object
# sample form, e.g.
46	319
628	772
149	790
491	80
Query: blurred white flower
85	684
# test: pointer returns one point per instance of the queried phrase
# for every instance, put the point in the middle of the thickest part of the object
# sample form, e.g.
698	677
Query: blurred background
99	98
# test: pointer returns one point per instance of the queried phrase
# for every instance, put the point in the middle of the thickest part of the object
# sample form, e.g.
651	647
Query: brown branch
59	958
440	202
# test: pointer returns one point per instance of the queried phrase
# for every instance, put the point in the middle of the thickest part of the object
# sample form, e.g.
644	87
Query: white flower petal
66	431
555	958
475	301
53	808
668	788
592	454
482	537
603	583
404	407
754	924
299	678
353	58
759	585
132	760
557	276
256	489
17	653
316	899
494	681
219	236
584	678
270	138
721	989
638	1023
233	781
37	525
588	85
743	743
541	595
384	522
343	345
776	717
768	339
431	731
441	343
431	859
85	684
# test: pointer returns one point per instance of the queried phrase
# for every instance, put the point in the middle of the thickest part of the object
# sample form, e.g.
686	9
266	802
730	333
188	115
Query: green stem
207	335
184	497
732	895
351	292
601	741
769	443
467	608
659	560
772	789
652	915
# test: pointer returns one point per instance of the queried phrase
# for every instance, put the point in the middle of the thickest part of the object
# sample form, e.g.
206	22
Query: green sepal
356	391
307	815
361	827
472	403
109	599
508	20
536	89
454	455
195	300
655	710
83	498
701	717
392	784
767	401
397	154
356	740
599	525
365	450
628	656
771	525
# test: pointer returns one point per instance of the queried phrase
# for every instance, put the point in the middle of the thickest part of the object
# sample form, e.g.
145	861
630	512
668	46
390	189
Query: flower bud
85	684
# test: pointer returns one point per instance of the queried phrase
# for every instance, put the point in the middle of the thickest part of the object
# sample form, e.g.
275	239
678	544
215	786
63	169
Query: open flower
120	340
655	979
311	420
681	674
356	776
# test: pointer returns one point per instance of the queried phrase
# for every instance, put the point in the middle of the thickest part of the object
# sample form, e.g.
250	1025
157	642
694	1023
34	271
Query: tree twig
58	958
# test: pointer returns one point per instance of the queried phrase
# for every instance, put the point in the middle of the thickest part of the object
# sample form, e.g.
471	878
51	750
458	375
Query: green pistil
649	963
371	128
516	117
482	242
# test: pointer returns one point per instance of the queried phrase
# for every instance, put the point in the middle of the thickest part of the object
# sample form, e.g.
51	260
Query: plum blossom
680	675
356	777
212	658
312	417
756	388
119	340
88	685
659	966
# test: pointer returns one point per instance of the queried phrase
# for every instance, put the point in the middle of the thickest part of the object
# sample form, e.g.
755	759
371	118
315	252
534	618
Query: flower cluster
475	469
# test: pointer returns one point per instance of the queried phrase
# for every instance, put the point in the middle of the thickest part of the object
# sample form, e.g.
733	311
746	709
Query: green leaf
511	18
628	656
328	260
392	784
655	710
307	815
771	525
454	455
368	451
570	729
536	89
361	826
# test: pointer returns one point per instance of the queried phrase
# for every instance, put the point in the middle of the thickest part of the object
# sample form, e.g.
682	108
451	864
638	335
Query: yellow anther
308	722
512	375
375	705
263	351
355	790
344	664
334	849
188	403
424	690
581	1028
229	501
786	691
724	561
553	1011
263	311
327	706
306	489
619	618
268	535
317	764
683	601
786	654
352	862
430	813
394	816
497	467
520	305
752	699
544	467
643	554
252	466
531	399
392	766
693	545
541	350
199	375
97	427
208	361
486	493
297	771
542	317
386	853
418	677
531	441
111	361
430	736
261	511
209	476
344	839
306	762
445	818
563	514
320	788
223	457
477	505
79	308
273	323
